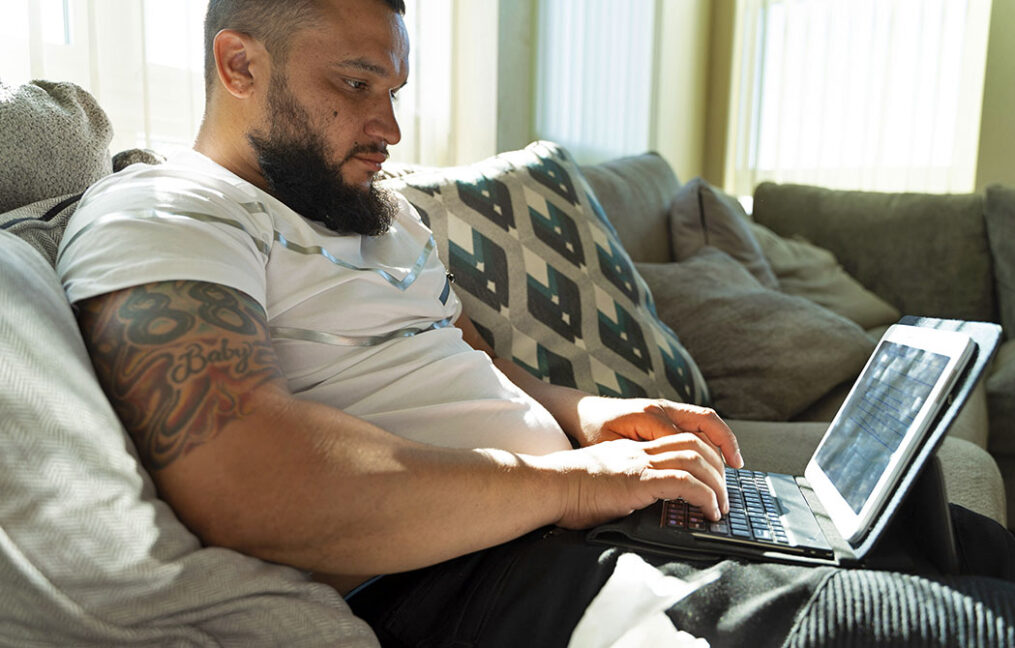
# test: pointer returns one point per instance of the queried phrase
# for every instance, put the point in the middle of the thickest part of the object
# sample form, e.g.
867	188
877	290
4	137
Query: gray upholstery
636	192
924	254
1001	401
42	223
1000	216
65	135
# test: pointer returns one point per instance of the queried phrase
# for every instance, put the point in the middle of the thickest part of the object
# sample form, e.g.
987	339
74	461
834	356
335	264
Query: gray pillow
89	556
765	355
805	270
54	141
702	215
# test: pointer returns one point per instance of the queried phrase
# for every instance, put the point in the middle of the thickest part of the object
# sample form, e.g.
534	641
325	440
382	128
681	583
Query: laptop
880	443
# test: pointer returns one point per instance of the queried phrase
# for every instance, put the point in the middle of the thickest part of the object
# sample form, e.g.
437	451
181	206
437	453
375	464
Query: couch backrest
926	254
636	192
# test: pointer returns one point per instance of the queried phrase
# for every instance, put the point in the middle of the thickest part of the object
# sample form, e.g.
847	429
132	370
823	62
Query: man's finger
707	422
695	464
674	484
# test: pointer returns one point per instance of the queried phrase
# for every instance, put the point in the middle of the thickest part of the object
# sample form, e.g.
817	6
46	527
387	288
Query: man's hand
614	478
593	419
641	419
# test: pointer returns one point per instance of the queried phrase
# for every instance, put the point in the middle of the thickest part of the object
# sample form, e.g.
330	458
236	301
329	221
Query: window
865	94
143	61
595	76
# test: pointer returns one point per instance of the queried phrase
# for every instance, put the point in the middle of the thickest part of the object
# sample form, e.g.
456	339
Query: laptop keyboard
754	513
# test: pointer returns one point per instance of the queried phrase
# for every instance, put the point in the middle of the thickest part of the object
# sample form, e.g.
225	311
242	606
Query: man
274	333
182	344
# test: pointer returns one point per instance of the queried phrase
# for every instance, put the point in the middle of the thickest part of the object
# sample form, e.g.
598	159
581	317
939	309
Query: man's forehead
361	34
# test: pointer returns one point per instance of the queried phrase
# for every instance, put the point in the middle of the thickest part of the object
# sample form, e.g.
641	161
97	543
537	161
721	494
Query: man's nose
383	124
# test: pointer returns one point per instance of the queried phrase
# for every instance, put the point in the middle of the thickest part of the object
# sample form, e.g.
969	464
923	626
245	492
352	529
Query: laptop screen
869	430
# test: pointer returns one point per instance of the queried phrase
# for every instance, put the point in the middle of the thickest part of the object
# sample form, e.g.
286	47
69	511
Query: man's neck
226	144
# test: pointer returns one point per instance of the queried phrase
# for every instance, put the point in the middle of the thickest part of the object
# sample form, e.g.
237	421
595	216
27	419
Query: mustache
382	149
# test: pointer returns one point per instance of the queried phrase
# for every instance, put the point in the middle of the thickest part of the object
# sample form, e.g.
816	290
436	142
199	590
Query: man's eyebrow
364	65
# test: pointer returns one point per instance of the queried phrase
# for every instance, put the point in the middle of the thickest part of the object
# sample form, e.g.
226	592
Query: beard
296	164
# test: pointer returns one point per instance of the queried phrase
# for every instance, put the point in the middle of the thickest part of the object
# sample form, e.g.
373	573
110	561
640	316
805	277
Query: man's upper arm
179	361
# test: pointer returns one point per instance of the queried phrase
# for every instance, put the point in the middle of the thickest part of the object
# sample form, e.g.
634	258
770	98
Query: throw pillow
541	272
805	270
765	355
702	215
53	141
1000	216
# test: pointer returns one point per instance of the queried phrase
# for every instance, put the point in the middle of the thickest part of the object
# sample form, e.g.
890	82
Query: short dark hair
273	22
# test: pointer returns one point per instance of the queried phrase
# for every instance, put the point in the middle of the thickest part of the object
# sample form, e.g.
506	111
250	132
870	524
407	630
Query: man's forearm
321	490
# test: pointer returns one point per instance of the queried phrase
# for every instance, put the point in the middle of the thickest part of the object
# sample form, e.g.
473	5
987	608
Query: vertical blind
595	76
865	94
142	60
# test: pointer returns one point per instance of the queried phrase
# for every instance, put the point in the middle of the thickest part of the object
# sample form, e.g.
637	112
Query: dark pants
532	592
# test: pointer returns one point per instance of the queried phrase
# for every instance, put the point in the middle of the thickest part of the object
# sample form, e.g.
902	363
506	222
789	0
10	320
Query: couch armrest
926	254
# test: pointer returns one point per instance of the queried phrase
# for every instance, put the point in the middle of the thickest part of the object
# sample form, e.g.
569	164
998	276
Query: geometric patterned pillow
541	272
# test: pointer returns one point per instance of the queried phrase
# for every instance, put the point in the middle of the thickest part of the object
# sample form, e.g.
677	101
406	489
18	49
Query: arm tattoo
178	360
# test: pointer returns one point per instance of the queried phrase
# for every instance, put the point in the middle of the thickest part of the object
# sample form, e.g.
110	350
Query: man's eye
356	85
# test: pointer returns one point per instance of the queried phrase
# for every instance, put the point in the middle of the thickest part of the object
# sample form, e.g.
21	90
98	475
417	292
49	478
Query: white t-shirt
360	323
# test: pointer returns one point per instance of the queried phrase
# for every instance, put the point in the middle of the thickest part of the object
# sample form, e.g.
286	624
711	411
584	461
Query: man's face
329	116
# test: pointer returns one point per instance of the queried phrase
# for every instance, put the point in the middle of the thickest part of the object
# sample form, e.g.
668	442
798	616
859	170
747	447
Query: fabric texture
545	278
42	223
532	591
765	355
89	556
358	323
1001	400
999	212
637	191
871	608
924	254
703	215
54	141
805	270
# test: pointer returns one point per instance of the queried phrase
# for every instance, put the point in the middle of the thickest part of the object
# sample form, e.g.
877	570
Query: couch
89	555
947	256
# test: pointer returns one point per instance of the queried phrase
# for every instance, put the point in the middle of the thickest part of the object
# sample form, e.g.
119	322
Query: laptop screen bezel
853	526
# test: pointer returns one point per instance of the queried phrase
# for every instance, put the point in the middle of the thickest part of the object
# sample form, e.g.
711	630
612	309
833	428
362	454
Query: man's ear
240	61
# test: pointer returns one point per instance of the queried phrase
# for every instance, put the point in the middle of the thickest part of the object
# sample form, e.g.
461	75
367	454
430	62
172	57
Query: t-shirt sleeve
147	226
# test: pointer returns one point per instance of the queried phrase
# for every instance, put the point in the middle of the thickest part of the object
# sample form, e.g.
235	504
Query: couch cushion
765	355
542	273
89	556
805	270
999	211
53	141
636	192
703	215
924	254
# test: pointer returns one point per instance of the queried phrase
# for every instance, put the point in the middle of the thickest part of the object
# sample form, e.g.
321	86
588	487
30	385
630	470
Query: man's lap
535	589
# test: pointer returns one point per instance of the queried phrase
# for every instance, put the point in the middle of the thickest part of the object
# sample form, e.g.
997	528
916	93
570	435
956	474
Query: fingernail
740	460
